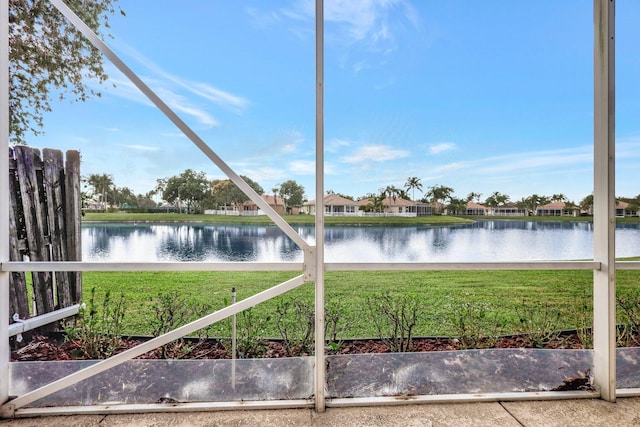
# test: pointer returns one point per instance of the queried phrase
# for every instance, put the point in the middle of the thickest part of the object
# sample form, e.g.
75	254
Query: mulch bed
51	348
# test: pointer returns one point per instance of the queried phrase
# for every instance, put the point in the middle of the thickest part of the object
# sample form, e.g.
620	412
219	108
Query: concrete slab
429	414
471	414
581	412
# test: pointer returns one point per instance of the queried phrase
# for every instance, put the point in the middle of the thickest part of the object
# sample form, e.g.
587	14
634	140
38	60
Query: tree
124	196
559	198
145	201
457	206
292	194
438	194
474	196
225	191
46	52
191	188
496	199
413	183
375	204
532	202
390	191
586	204
102	185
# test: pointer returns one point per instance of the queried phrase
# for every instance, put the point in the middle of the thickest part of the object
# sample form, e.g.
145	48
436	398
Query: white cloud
289	140
182	104
169	87
375	153
303	167
361	21
443	146
544	160
335	145
142	147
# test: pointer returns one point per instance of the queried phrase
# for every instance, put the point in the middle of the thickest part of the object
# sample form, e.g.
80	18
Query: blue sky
478	96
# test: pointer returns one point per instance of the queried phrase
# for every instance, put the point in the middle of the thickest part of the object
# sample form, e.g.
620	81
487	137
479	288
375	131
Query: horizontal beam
462	266
44	319
628	265
460	398
144	408
149	266
18	266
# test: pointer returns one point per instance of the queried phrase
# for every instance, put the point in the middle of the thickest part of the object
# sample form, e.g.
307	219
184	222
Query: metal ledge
44	319
460	398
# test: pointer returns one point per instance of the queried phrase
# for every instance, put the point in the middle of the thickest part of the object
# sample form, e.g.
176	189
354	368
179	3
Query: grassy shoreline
329	220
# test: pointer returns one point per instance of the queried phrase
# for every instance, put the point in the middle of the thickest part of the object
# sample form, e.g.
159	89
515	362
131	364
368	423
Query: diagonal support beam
161	340
171	115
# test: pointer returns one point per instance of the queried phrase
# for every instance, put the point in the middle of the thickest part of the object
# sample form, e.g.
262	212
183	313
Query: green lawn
330	220
498	301
291	219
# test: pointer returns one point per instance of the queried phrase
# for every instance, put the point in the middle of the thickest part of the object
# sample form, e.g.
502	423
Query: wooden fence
44	224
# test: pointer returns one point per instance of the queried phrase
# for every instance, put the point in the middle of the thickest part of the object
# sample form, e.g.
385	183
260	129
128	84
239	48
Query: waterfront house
557	209
474	208
334	205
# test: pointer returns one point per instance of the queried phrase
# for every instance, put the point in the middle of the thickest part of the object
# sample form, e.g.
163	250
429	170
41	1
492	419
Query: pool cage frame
313	267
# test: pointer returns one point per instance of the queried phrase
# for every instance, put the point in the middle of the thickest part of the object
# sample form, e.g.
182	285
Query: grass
291	219
330	220
442	295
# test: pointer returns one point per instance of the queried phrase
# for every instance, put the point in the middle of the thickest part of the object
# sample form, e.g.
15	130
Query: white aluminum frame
604	222
4	197
603	265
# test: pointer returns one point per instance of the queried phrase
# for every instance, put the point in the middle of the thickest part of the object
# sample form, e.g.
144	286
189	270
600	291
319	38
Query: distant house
250	208
557	209
334	205
474	208
623	209
400	207
508	209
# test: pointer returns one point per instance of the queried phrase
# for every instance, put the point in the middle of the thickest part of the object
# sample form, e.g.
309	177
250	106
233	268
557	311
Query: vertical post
234	341
4	199
319	254
604	280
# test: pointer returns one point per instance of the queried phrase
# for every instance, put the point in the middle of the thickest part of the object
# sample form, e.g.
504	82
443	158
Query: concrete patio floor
579	412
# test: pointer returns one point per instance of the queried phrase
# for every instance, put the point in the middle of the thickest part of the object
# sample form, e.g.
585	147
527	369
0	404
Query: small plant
475	324
629	325
96	330
583	318
395	318
170	311
249	335
539	323
335	324
295	320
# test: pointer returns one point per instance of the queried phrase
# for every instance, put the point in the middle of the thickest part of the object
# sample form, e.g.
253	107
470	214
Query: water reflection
479	241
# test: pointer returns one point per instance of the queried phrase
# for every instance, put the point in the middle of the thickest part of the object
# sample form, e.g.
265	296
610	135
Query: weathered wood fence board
45	226
73	213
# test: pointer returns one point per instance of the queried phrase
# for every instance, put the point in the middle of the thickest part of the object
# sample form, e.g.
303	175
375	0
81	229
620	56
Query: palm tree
474	195
101	184
391	192
438	193
377	203
413	183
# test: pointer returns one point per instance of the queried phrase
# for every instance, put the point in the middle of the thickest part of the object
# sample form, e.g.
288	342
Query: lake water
477	242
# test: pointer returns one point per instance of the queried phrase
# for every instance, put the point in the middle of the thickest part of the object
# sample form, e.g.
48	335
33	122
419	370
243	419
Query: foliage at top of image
49	57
